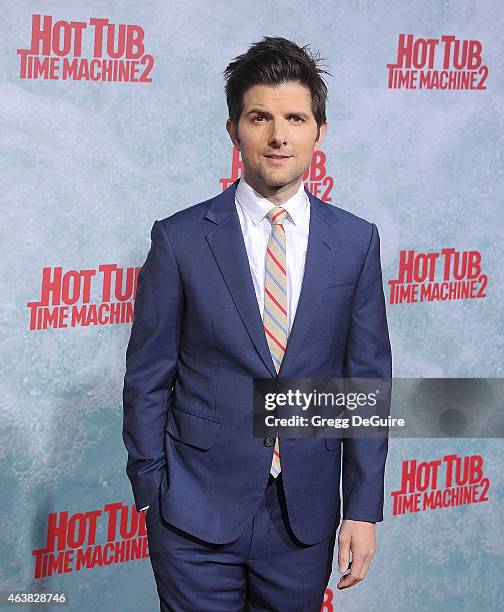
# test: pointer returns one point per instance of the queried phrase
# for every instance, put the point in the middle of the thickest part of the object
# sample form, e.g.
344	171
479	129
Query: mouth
278	158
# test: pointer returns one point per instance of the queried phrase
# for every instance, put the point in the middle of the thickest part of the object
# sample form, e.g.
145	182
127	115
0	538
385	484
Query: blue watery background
86	169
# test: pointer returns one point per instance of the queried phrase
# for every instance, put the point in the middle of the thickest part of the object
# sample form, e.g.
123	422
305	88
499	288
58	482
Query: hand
359	538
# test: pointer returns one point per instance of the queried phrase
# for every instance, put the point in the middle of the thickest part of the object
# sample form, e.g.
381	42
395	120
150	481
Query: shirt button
269	441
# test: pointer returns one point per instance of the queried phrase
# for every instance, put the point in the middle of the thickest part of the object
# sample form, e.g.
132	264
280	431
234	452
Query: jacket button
269	441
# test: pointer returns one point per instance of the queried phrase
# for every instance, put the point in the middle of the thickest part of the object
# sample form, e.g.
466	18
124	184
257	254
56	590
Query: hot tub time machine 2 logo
437	63
58	51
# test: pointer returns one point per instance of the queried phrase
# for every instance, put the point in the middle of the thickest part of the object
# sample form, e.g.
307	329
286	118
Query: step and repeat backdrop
112	116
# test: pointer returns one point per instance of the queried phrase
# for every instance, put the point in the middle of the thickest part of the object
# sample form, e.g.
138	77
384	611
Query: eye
258	117
297	118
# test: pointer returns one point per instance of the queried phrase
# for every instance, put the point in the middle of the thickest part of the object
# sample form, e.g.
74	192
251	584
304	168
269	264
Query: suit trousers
266	568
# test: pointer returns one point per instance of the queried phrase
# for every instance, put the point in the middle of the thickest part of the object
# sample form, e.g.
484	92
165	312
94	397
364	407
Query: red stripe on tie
273	338
270	295
277	454
281	212
276	261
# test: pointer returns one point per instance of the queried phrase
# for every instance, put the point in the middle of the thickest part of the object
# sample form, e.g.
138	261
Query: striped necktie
275	302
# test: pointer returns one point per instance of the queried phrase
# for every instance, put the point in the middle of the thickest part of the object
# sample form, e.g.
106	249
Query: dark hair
272	61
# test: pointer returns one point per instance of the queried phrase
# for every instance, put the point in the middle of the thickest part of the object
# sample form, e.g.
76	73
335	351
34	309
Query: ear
232	134
322	133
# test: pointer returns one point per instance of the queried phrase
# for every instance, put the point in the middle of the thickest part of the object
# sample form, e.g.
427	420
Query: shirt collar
257	206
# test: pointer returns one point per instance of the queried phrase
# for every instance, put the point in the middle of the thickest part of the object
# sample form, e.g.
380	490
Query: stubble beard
272	178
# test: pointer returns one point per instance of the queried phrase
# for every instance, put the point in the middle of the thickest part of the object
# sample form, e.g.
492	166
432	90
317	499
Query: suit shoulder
182	220
350	219
188	214
352	226
356	233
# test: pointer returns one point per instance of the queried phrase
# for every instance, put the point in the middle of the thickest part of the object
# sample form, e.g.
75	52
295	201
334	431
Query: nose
277	136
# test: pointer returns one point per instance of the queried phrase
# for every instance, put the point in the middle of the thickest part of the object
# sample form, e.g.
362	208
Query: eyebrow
263	112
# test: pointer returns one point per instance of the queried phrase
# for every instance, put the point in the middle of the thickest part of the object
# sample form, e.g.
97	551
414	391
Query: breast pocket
337	295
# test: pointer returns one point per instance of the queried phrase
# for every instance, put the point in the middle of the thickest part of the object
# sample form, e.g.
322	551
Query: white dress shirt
252	209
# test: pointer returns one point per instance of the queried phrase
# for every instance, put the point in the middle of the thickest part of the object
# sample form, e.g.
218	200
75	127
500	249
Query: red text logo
438	276
437	63
67	300
441	483
57	47
73	544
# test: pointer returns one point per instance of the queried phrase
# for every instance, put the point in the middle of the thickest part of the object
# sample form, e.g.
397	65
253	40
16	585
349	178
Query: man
261	281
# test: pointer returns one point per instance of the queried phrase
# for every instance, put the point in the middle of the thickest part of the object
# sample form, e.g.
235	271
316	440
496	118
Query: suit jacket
196	344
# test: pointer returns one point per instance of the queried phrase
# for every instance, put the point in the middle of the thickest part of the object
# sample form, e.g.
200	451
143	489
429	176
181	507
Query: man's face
277	135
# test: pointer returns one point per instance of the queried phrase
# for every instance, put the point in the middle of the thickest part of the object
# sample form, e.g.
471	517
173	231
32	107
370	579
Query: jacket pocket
340	283
196	430
332	443
332	291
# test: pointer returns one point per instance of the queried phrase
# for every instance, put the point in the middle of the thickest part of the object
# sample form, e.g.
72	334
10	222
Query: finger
359	567
347	580
343	554
355	574
365	566
363	559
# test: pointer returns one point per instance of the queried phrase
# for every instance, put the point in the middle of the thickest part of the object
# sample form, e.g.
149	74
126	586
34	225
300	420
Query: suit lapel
228	247
319	258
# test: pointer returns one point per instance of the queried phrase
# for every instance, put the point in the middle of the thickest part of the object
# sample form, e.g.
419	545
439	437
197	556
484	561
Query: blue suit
196	344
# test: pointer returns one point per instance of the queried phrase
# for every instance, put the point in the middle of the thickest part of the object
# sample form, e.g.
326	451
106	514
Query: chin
278	178
276	181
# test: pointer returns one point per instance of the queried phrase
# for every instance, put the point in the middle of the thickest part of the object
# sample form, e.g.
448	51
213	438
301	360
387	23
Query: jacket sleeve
151	366
368	355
